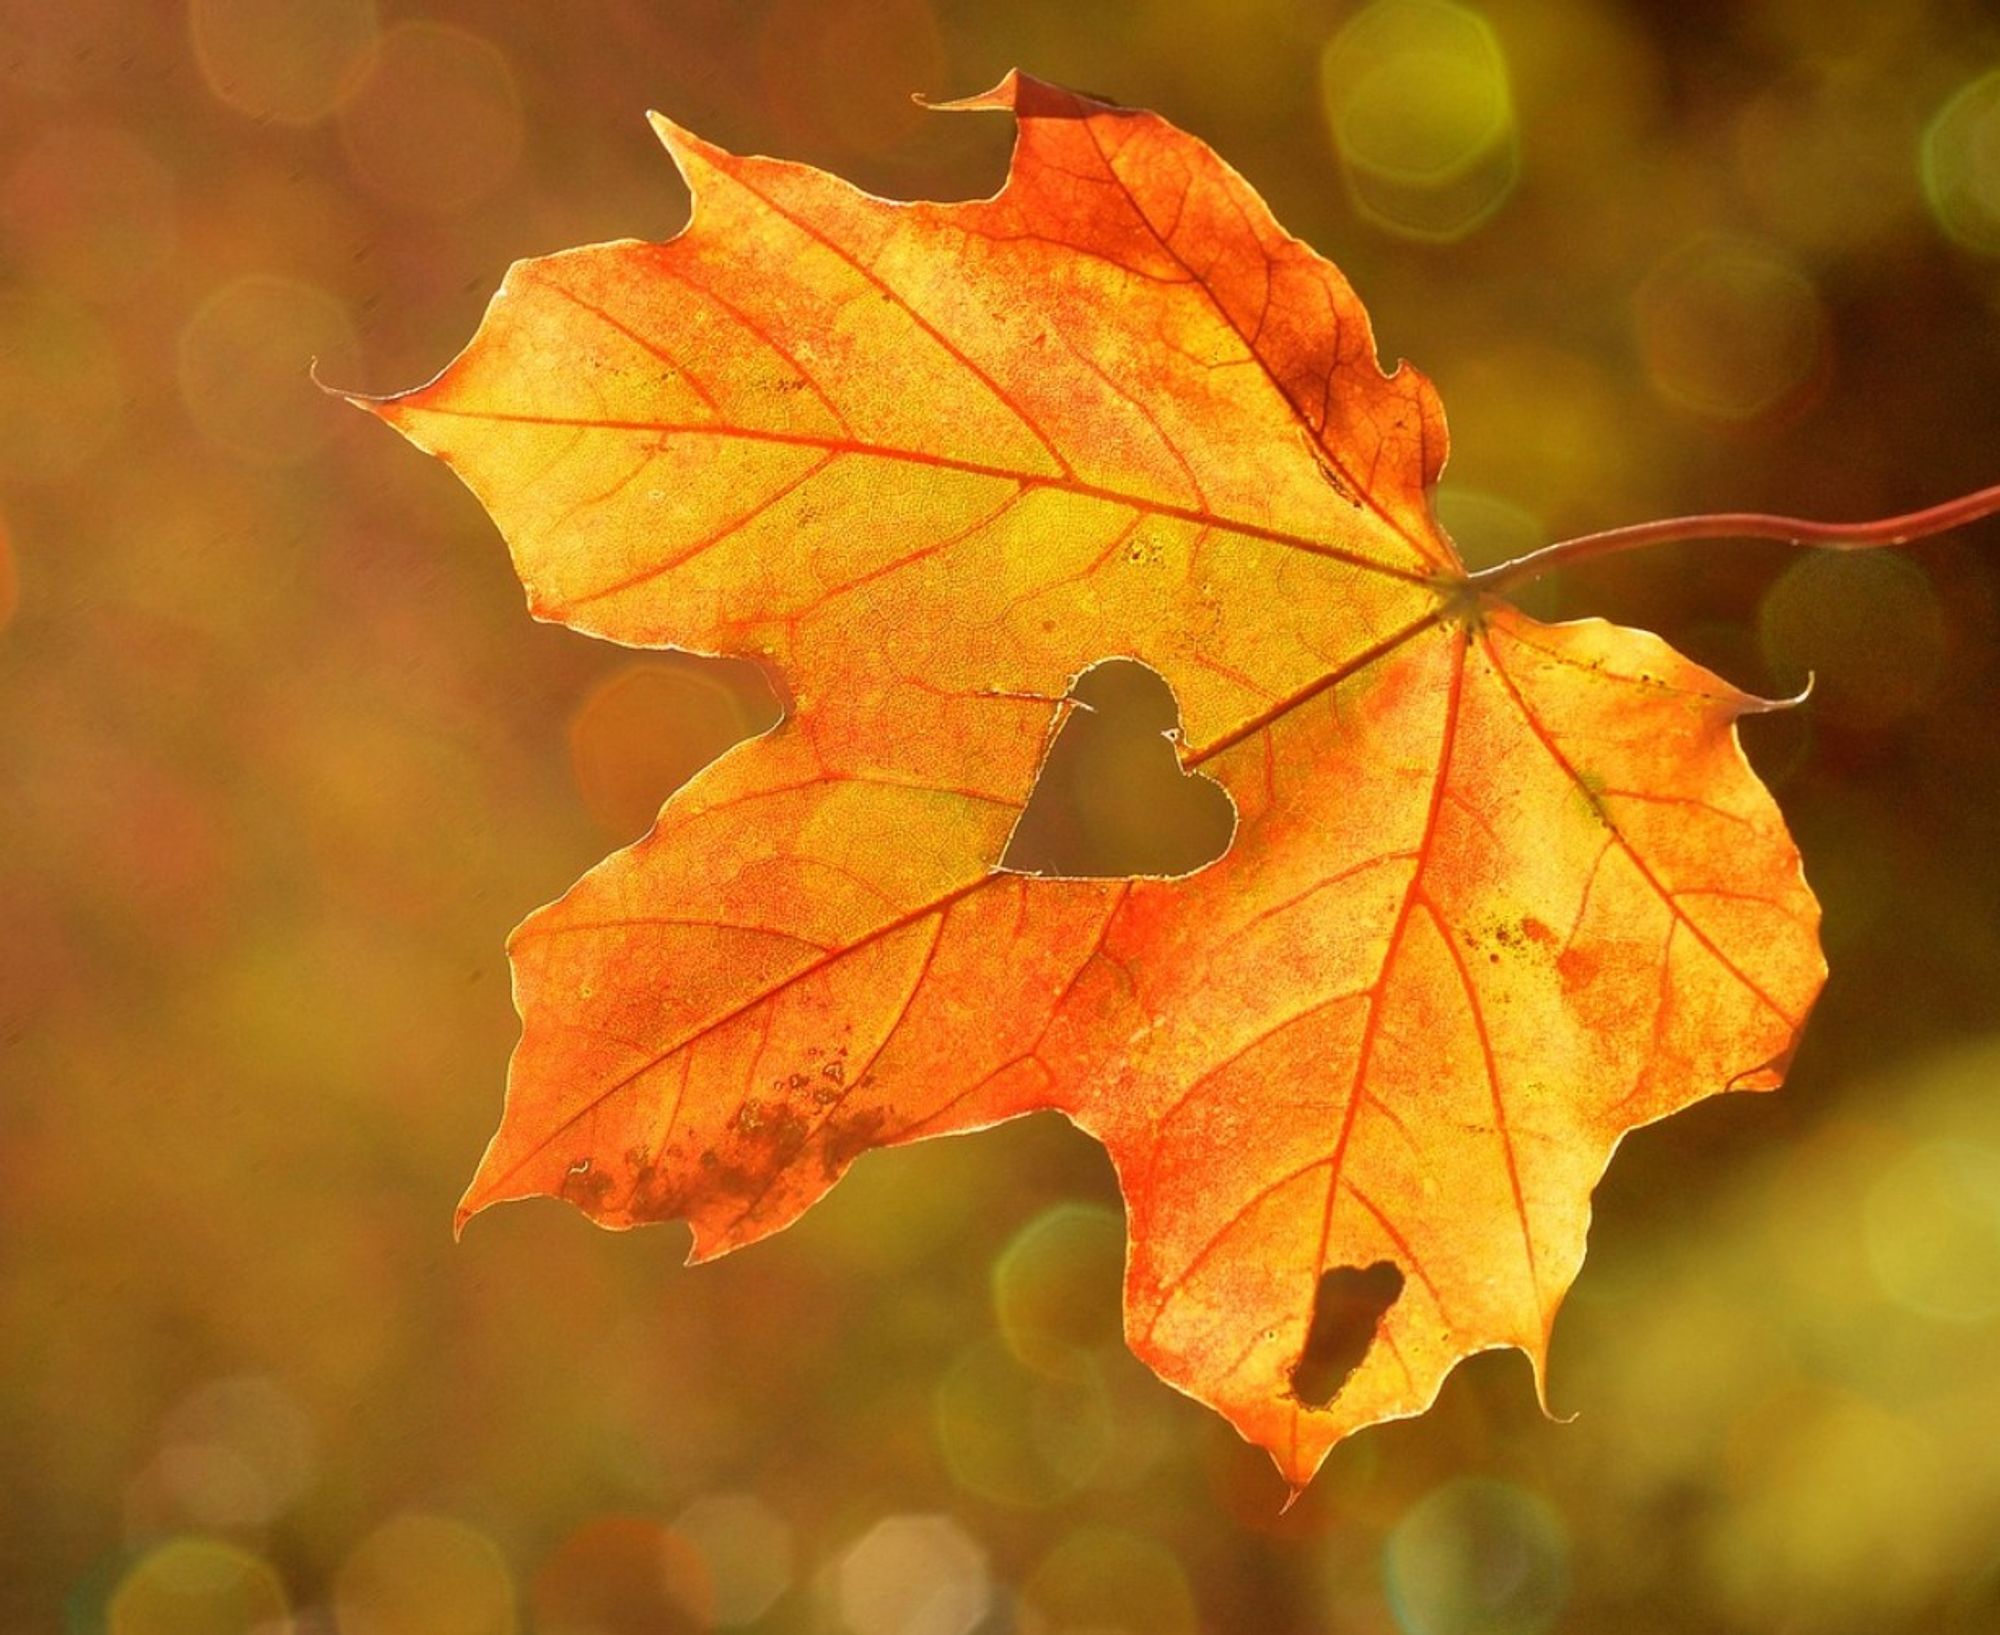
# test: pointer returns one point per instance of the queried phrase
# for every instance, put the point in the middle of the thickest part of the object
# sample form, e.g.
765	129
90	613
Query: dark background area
282	759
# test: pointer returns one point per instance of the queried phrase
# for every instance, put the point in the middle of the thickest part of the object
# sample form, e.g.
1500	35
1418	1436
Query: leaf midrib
1053	481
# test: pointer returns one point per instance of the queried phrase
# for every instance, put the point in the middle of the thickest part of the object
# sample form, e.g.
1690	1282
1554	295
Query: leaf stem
1834	536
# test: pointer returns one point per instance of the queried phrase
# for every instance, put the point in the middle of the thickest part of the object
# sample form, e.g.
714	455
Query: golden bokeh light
1933	1229
237	1452
1801	1543
913	1575
435	124
1868	629
290	61
244	358
92	210
653	723
1730	329
422	1574
747	1549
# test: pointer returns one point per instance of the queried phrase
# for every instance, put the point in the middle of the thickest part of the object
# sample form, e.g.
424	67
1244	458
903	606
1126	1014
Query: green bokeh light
1933	1229
1417	97
1018	1437
1959	160
1056	1286
199	1586
1477	1557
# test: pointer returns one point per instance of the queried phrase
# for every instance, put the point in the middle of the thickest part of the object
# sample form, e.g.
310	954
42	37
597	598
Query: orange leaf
1498	891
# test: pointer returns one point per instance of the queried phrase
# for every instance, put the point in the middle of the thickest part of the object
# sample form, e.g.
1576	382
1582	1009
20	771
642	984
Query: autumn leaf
1498	891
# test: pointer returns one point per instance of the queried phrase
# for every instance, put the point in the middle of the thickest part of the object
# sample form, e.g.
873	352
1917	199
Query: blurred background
282	758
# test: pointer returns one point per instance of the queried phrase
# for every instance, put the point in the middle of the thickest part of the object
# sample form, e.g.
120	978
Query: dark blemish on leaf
834	1070
1501	937
1333	478
770	1136
586	1186
740	1181
708	1158
785	1135
1347	1311
1576	966
656	1196
846	1140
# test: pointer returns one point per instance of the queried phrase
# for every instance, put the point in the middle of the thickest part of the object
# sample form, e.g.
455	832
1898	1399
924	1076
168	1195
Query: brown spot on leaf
657	1196
843	1141
586	1186
1576	966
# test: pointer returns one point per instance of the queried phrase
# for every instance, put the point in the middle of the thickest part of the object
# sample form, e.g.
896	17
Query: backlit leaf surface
1499	891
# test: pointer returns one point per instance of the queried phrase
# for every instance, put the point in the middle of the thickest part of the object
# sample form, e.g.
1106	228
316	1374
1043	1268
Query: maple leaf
1498	892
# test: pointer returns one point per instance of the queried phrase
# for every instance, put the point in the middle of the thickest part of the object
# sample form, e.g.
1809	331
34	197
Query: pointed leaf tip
1001	95
688	151
361	400
1029	98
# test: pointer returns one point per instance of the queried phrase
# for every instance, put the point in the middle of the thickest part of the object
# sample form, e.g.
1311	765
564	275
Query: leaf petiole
1833	536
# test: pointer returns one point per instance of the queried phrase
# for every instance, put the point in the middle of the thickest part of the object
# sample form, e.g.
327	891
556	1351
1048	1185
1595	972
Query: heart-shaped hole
1112	799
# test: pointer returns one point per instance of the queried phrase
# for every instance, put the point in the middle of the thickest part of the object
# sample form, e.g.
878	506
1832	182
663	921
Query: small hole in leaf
1348	1308
1112	799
